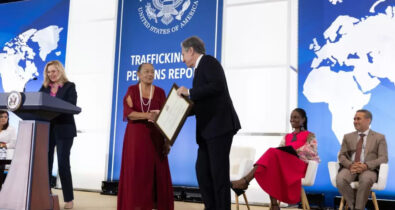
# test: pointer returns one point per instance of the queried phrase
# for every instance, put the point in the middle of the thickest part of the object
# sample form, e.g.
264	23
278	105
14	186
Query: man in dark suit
360	156
216	123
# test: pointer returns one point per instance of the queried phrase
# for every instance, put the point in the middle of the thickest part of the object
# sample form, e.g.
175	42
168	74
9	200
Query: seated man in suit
361	154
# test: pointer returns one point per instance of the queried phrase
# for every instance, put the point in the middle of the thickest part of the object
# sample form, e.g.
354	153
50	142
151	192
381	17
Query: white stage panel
88	10
256	34
260	98
90	64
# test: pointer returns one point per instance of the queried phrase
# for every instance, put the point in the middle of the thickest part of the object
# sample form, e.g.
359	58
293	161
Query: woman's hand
152	115
3	145
166	147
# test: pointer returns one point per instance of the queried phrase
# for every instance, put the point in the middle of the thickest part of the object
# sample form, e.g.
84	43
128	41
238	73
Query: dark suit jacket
63	126
375	150
213	107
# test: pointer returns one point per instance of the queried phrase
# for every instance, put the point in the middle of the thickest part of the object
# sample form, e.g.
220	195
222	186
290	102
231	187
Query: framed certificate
173	114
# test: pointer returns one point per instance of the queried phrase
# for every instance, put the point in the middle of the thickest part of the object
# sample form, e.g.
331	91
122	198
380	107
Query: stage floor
95	201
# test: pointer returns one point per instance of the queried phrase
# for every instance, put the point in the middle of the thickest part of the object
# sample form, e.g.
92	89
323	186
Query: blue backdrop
152	31
47	19
341	47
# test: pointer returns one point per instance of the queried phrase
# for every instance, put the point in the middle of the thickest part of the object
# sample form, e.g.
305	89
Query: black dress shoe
237	191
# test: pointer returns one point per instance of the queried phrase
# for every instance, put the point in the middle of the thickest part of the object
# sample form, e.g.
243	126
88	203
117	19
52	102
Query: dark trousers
212	171
63	147
2	175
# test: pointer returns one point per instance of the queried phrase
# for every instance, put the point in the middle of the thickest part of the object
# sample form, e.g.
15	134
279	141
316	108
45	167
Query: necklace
142	101
294	135
294	138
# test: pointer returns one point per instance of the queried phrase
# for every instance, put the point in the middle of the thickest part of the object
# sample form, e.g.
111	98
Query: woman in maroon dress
278	171
145	181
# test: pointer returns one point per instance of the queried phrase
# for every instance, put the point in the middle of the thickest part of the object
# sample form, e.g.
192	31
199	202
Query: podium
27	182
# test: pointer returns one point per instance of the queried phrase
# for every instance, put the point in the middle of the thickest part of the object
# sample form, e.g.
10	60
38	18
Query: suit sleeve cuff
189	93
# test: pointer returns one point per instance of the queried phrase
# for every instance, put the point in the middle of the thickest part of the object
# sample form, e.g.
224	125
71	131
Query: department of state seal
166	16
14	100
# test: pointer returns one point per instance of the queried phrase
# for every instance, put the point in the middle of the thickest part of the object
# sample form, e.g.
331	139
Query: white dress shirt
196	65
8	136
198	61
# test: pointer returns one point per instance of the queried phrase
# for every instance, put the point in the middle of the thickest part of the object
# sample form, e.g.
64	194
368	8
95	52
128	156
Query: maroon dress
279	173
144	167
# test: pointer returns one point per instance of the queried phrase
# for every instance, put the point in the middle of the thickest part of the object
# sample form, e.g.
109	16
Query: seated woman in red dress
278	171
145	181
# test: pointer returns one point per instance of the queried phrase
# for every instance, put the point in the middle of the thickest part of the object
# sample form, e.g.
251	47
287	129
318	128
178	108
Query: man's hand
358	167
353	168
182	91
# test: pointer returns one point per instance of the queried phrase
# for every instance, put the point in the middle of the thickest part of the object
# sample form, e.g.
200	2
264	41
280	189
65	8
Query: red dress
279	173
143	164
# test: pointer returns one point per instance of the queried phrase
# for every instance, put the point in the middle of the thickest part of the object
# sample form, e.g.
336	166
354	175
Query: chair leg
237	201
305	202
245	199
302	199
341	203
374	199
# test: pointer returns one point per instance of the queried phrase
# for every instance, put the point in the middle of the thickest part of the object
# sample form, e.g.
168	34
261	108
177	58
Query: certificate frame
169	112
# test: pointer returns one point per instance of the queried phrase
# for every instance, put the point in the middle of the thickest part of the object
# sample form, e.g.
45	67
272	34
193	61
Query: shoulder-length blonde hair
62	74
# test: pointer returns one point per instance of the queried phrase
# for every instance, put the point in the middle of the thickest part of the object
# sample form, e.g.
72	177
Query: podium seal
14	100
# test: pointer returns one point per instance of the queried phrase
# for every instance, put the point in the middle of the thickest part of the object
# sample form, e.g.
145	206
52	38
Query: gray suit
375	154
